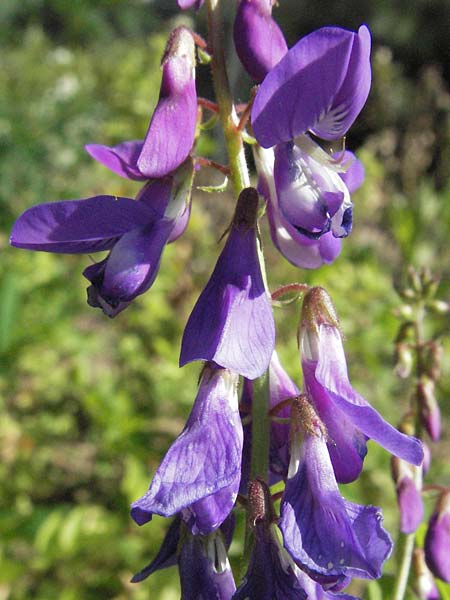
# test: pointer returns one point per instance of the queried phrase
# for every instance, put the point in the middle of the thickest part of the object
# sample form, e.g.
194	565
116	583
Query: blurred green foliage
88	406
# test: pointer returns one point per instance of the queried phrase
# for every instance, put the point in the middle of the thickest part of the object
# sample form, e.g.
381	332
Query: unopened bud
405	311
403	360
414	279
430	415
437	539
433	360
438	306
423	581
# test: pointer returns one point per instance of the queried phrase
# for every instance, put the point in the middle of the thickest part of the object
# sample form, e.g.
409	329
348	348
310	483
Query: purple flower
312	196
171	132
271	574
202	561
232	322
320	85
135	232
409	497
200	474
437	539
315	591
259	42
302	250
328	537
349	418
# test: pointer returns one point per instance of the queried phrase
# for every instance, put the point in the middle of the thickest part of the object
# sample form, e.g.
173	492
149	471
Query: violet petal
77	226
120	159
331	373
321	84
259	42
232	322
204	459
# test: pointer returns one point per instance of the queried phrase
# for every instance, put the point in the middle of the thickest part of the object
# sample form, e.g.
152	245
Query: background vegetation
88	406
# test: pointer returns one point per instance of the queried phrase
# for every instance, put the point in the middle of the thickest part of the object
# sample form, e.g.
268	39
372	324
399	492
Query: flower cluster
308	98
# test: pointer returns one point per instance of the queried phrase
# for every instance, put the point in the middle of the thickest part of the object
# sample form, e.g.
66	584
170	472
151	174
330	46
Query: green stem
406	542
227	113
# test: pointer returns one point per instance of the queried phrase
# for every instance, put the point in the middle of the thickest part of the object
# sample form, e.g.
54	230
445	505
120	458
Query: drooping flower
135	232
258	40
320	85
200	473
437	539
328	537
202	561
171	132
409	498
232	322
349	418
271	574
302	250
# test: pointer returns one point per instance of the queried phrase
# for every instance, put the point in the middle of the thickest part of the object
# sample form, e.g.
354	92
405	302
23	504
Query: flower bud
408	495
259	41
423	582
437	539
439	307
403	360
430	415
433	360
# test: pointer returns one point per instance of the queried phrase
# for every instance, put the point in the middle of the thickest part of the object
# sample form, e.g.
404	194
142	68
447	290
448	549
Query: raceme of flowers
309	96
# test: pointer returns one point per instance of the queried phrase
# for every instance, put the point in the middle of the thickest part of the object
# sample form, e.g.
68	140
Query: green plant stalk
406	542
233	138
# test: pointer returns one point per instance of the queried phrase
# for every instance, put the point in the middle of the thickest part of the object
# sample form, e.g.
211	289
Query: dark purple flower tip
120	159
327	536
78	226
298	249
232	322
204	569
271	574
184	4
430	414
204	460
167	554
323	362
132	264
171	132
320	85
437	539
312	197
409	497
259	42
315	591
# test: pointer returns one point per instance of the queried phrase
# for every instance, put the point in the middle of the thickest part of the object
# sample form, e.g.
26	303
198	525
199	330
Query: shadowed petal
120	159
203	460
167	554
205	573
321	84
77	226
270	575
437	539
259	42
